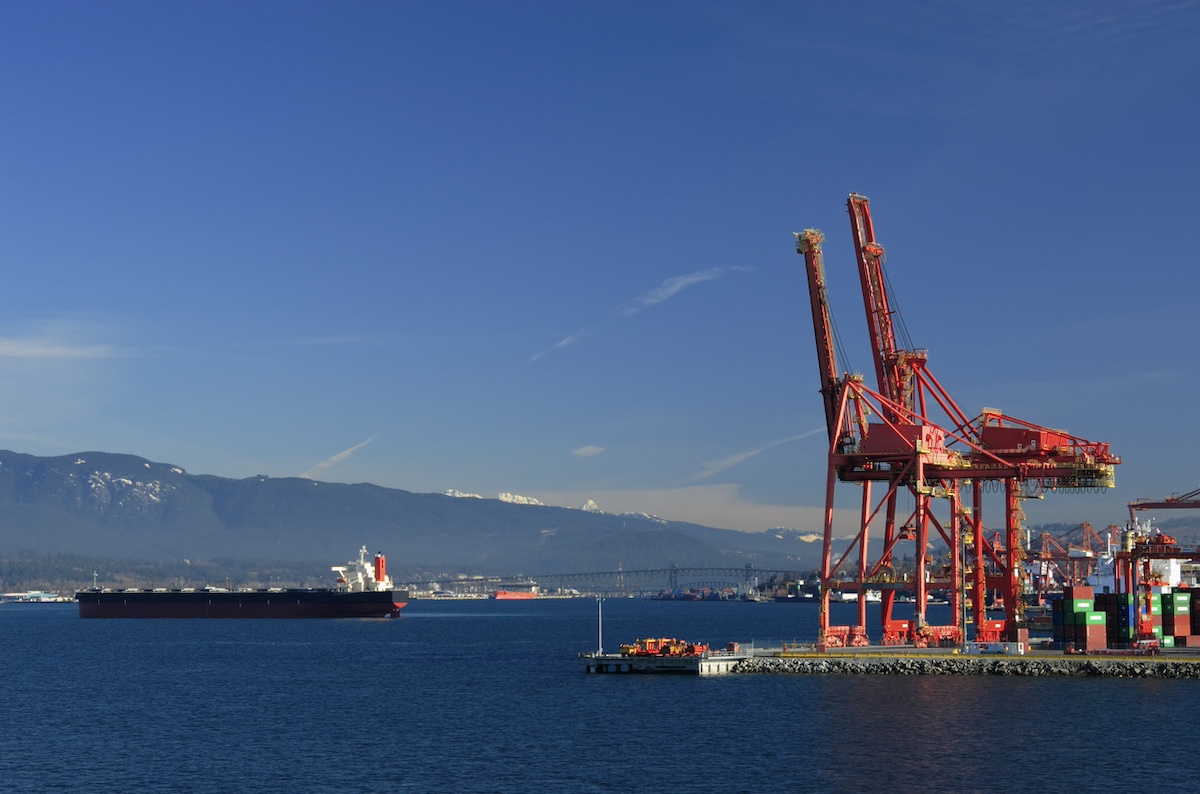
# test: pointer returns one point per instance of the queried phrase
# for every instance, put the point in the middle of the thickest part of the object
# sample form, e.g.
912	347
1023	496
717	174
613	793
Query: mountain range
109	506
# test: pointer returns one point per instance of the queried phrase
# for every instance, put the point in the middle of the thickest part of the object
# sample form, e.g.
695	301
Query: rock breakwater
972	665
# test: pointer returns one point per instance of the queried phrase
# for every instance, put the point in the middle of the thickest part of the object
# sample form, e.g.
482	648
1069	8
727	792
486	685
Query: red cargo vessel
514	595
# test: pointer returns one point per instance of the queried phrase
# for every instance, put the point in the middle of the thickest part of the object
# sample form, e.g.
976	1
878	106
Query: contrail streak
718	466
338	458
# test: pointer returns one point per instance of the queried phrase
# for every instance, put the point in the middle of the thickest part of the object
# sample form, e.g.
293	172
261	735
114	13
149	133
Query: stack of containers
1082	624
1176	616
1120	618
1056	616
1151	625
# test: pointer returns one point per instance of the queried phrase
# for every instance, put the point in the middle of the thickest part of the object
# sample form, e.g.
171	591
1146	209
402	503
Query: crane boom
893	366
808	243
1190	499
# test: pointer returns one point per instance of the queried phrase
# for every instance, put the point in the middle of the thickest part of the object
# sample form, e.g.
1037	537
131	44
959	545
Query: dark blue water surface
487	696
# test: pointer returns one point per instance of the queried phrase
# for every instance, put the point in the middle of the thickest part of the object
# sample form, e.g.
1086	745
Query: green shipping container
1167	642
1182	598
1096	618
1158	631
1081	605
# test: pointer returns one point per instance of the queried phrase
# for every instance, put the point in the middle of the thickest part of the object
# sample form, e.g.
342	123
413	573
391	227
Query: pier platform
711	663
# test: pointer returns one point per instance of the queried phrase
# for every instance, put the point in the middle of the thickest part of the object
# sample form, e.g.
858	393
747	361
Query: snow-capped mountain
515	499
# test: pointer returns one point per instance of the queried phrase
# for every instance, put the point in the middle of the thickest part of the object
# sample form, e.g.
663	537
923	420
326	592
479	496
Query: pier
643	657
792	659
710	663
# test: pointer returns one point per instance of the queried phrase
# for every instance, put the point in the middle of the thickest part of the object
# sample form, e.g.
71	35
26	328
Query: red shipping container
1095	637
1071	592
1181	626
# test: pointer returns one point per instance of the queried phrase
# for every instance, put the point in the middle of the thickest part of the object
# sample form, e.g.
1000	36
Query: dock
806	660
704	661
710	663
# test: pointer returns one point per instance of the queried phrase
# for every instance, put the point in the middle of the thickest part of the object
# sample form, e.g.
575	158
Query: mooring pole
599	625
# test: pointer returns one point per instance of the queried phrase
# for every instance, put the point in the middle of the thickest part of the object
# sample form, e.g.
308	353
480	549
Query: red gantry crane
908	436
1070	558
1172	502
1143	544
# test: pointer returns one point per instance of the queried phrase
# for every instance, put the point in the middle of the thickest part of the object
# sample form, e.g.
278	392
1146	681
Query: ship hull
239	603
513	595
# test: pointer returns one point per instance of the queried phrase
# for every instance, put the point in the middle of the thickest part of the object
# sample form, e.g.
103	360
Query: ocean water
486	696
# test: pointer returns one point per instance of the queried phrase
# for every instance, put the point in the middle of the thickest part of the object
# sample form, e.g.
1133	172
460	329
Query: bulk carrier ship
364	590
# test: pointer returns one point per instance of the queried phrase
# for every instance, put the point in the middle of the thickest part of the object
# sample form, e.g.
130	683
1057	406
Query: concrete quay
1030	665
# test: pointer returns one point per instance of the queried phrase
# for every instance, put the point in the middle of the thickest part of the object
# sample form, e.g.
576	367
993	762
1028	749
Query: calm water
488	697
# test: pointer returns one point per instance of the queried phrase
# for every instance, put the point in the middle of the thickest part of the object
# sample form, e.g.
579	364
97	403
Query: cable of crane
838	346
897	315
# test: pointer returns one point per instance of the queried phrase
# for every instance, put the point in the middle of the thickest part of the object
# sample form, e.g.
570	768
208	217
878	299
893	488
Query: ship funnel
380	567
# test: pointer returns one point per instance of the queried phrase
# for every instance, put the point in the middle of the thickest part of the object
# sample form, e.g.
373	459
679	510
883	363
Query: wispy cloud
58	338
312	473
48	348
672	287
712	505
57	374
650	298
589	451
718	466
565	343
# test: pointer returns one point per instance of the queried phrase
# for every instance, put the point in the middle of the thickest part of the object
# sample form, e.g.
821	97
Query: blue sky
546	248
